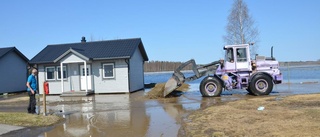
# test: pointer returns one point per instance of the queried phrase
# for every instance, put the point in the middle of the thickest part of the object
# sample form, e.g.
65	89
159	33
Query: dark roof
111	49
4	51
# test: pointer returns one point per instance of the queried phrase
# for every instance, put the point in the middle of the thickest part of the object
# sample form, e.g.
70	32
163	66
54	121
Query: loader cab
237	58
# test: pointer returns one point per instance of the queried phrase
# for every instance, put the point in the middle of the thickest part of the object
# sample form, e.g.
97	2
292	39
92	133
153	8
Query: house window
50	73
64	72
108	70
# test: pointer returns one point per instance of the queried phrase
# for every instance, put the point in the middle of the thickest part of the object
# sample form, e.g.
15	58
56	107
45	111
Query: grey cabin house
13	69
113	66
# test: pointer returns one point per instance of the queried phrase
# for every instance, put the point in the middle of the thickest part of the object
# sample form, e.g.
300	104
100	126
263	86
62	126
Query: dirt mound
157	91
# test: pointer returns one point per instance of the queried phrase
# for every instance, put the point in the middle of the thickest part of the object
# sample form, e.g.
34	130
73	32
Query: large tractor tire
260	84
249	91
210	87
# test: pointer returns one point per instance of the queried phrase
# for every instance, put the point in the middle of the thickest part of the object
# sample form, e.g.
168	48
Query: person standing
32	90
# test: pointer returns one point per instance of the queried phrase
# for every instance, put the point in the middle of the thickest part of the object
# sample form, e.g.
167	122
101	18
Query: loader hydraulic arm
178	77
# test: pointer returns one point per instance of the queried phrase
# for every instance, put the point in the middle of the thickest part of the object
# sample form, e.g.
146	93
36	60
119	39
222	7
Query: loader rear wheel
261	84
210	87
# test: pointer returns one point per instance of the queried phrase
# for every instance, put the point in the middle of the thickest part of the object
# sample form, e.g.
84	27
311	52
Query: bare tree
240	28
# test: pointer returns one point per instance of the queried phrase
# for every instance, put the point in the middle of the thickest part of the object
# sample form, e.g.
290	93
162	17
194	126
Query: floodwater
135	116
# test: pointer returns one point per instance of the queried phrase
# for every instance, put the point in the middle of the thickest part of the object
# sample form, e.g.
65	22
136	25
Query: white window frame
46	68
103	70
64	69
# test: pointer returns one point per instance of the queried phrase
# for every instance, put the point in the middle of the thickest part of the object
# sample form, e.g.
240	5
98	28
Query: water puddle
135	116
125	114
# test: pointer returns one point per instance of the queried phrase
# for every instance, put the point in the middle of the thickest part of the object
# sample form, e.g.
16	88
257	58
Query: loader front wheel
210	87
261	85
249	91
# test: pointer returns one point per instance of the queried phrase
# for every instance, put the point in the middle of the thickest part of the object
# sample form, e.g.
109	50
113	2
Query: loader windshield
229	55
241	55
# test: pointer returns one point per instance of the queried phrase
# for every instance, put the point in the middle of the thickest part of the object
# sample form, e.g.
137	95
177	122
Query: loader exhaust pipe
272	53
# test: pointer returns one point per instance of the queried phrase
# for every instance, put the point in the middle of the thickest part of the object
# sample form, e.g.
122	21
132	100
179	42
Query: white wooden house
113	66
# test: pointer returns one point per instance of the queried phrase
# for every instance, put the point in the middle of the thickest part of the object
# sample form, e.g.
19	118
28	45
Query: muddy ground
297	115
233	114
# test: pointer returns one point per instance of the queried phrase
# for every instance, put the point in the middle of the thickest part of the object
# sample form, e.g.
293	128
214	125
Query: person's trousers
32	103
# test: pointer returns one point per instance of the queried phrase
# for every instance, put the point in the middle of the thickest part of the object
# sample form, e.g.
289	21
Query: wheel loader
236	71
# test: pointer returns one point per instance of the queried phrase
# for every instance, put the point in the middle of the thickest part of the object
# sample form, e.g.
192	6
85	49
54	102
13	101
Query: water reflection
297	88
125	114
101	115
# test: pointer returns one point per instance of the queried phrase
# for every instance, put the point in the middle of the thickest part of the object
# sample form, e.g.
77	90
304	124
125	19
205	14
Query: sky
170	30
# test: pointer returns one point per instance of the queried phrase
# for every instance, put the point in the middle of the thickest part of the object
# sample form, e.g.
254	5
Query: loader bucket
178	78
170	86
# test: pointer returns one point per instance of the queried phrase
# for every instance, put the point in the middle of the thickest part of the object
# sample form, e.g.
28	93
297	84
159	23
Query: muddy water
134	116
120	115
123	114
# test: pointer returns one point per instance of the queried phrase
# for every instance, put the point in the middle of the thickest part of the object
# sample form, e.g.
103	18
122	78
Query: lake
296	80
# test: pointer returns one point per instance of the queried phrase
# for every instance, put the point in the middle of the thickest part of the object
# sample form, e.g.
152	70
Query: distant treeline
157	66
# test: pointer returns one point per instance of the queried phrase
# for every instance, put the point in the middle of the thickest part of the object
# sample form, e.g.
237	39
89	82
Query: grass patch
291	116
157	91
15	100
28	120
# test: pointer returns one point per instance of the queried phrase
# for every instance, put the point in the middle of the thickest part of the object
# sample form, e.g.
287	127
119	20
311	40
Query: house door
83	77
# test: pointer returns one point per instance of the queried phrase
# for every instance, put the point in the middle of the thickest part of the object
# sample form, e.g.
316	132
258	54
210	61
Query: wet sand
132	115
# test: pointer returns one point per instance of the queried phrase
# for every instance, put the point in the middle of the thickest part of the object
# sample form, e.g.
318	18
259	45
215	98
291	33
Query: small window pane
83	73
229	55
108	71
50	73
88	73
64	72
